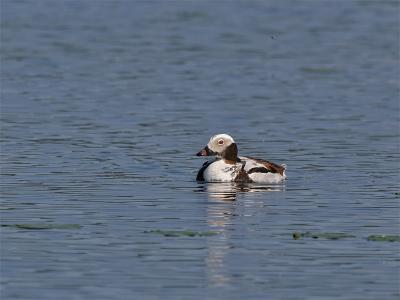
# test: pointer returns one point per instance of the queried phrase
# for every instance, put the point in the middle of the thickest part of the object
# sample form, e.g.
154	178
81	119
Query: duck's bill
205	152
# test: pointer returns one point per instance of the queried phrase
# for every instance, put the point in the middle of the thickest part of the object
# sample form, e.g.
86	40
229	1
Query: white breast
219	171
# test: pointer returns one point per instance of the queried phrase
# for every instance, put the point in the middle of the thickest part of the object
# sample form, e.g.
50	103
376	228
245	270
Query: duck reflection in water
222	213
228	191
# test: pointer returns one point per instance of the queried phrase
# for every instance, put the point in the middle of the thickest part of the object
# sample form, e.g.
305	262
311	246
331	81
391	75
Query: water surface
104	103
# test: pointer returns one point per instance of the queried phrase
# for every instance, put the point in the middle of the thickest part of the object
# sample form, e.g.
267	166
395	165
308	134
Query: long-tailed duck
229	167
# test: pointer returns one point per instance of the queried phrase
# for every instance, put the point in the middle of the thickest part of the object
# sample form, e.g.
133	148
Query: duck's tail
284	170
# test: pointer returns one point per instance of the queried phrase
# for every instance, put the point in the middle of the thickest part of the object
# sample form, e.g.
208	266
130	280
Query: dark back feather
270	166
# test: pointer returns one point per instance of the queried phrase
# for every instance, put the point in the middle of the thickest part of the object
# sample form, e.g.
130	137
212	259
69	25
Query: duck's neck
230	154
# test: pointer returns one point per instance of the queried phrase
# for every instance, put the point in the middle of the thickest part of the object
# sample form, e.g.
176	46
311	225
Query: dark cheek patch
230	154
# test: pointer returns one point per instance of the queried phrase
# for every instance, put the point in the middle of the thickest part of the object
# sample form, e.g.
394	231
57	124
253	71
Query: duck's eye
220	142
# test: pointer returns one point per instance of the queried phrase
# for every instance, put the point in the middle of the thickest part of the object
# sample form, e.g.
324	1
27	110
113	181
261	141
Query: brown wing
270	166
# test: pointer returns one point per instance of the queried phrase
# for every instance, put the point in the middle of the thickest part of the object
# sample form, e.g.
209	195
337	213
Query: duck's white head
221	145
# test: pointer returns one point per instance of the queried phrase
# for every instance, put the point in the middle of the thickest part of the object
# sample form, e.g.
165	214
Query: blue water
105	103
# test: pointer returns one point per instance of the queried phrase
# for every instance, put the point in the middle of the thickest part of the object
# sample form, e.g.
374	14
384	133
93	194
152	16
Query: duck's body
228	167
246	169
